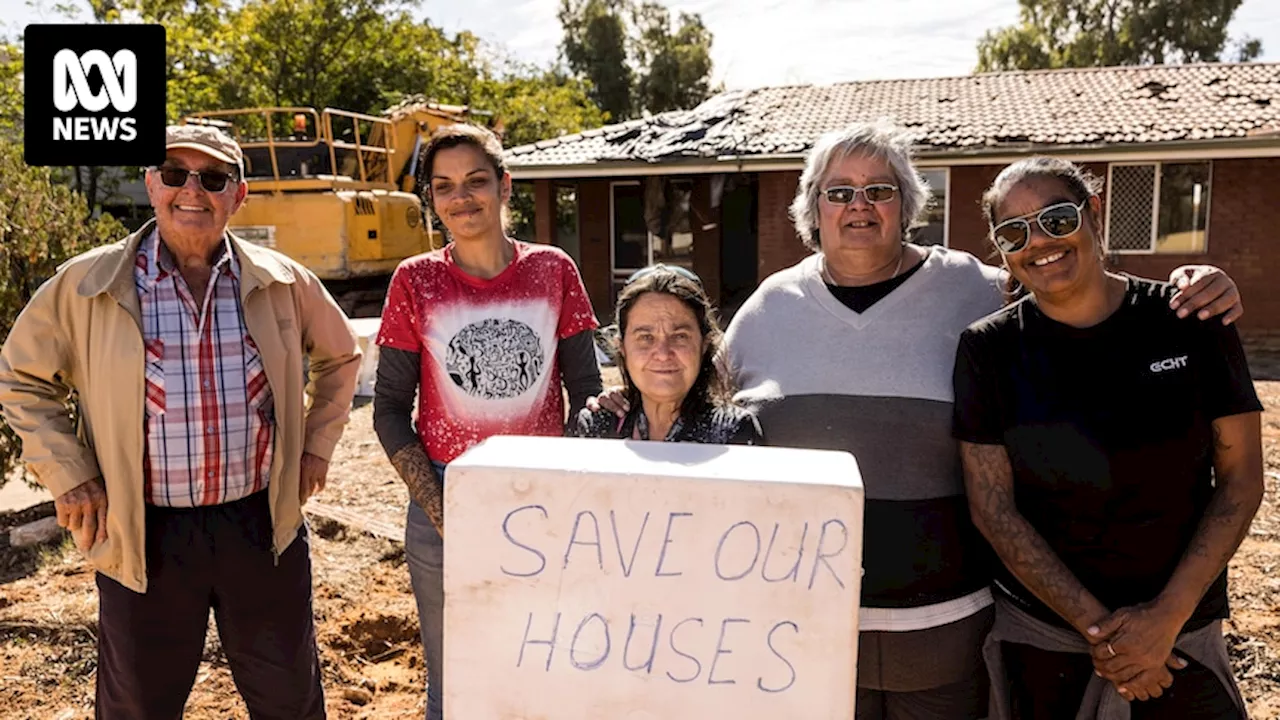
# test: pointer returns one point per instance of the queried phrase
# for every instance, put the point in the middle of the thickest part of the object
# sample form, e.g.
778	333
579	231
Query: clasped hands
1133	649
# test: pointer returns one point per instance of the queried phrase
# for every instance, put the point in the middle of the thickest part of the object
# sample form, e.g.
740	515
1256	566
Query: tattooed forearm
989	483
425	487
1236	496
1226	511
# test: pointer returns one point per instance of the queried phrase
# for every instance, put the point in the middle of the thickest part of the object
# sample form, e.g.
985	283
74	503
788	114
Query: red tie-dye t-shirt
488	347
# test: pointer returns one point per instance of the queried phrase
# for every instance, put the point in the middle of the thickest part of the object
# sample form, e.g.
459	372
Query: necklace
826	275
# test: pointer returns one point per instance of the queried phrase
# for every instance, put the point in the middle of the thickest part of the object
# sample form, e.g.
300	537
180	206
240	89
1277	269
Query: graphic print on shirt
495	358
492	359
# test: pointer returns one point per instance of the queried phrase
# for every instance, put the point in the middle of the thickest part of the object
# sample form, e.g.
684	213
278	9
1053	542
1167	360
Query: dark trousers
1047	685
219	558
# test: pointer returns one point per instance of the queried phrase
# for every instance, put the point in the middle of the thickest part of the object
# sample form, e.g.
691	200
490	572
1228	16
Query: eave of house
1255	146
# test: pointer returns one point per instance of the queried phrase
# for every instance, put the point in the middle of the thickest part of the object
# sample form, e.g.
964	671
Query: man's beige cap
206	139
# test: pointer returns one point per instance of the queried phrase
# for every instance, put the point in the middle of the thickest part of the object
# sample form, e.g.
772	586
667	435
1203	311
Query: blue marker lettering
542	559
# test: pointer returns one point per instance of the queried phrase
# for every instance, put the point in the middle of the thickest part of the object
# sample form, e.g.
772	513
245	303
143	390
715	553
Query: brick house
1190	155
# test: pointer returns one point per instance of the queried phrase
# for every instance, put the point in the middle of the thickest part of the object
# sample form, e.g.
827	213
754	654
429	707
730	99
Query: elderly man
184	471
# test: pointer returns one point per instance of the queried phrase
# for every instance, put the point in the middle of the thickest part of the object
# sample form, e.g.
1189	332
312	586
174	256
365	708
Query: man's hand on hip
312	475
83	511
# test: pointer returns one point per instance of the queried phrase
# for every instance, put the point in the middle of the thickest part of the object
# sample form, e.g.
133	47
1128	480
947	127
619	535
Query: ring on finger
1111	650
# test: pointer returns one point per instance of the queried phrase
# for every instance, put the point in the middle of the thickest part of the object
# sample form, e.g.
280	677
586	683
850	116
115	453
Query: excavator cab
327	189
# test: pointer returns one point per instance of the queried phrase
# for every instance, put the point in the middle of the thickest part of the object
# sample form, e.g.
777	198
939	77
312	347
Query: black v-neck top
860	299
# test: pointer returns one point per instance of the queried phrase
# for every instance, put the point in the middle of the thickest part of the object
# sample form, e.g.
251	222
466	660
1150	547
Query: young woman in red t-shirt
485	331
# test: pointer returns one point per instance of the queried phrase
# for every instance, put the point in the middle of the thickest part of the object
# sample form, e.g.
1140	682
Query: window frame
1155	205
946	206
614	278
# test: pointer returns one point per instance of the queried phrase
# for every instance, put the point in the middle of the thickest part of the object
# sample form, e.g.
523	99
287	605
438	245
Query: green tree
595	48
1095	33
675	66
42	223
198	36
314	53
10	89
535	104
633	56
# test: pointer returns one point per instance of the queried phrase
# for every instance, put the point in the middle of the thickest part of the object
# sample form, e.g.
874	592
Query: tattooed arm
425	486
393	397
1238	488
988	477
1142	635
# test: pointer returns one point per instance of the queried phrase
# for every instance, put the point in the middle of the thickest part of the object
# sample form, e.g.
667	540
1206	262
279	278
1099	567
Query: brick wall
967	230
778	245
544	212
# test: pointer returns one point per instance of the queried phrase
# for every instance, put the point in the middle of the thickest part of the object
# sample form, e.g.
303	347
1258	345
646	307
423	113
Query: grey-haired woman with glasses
668	339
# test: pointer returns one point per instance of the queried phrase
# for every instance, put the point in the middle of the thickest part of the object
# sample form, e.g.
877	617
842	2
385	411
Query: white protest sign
602	579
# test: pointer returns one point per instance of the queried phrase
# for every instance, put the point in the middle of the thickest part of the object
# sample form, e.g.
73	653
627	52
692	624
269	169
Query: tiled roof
992	111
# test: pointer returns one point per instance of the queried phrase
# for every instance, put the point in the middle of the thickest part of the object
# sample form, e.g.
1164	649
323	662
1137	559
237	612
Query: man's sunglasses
661	267
846	194
211	180
1057	221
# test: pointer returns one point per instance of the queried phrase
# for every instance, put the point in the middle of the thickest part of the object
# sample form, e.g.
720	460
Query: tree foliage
676	67
1095	33
10	92
636	59
595	48
42	224
357	55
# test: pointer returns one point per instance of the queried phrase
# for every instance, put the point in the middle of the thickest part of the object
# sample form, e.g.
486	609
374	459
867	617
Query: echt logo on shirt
1172	363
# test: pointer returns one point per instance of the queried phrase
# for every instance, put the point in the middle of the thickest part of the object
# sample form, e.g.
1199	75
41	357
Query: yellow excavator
335	190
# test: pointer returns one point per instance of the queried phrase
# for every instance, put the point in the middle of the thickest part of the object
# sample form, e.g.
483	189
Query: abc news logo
95	94
71	90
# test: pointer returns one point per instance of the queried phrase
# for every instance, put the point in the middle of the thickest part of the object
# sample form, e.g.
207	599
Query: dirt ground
368	628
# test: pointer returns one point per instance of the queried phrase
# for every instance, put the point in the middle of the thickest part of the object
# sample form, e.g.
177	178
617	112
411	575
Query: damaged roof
1009	111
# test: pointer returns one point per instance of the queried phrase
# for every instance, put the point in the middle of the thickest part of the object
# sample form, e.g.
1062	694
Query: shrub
42	224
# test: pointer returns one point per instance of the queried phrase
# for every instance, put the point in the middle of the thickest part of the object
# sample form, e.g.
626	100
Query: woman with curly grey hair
853	349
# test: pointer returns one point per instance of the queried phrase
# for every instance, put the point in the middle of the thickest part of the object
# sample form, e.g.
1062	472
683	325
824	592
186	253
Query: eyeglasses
875	194
1057	221
662	267
211	180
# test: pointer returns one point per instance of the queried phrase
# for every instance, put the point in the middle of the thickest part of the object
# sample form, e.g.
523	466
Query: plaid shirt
210	421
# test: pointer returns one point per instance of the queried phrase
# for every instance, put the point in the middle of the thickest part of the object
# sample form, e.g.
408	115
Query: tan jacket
82	332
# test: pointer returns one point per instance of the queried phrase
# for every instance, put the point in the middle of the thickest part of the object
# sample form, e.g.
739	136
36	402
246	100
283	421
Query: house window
672	242
652	223
630	247
933	227
1158	207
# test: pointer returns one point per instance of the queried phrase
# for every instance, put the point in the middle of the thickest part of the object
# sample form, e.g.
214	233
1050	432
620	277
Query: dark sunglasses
661	267
211	180
846	194
1057	221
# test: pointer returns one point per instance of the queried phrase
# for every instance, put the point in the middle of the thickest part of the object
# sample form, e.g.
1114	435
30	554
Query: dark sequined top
723	425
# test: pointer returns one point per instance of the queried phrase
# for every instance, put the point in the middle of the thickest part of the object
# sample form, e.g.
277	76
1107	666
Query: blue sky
773	42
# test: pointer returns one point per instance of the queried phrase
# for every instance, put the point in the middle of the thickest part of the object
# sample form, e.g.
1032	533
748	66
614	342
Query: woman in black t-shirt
1112	457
